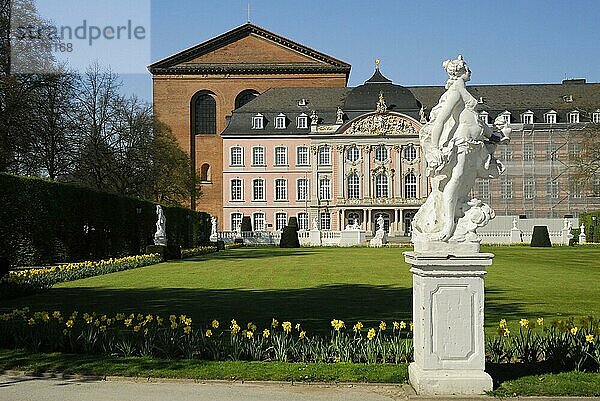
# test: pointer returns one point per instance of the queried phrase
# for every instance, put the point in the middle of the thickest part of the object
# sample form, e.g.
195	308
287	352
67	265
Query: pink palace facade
328	156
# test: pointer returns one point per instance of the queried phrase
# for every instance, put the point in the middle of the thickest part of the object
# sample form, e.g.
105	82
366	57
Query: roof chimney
573	81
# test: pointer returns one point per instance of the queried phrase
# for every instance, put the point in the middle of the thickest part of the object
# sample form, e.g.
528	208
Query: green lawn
315	285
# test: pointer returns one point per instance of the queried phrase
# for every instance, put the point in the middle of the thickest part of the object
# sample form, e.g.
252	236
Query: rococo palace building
274	132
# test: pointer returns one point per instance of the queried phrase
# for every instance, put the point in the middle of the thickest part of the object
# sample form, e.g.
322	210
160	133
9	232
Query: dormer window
568	98
302	121
484	116
550	117
280	121
574	117
527	117
596	117
506	116
258	121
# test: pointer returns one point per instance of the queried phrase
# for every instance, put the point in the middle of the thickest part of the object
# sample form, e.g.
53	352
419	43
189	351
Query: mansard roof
306	60
519	98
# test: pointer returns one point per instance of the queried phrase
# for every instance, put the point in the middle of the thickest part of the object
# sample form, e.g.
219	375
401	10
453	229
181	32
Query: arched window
410	153
352	154
204	113
381	186
353	186
205	172
353	218
381	153
244	97
410	185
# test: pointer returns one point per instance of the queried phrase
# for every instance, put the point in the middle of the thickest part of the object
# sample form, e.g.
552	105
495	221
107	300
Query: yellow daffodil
56	314
502	324
274	323
249	334
128	322
357	327
159	320
382	326
524	322
215	324
589	338
137	328
208	333
396	325
187	329
302	335
69	323
173	325
266	333
540	321
31	321
286	326
574	330
102	328
412	326
371	334
506	332
297	326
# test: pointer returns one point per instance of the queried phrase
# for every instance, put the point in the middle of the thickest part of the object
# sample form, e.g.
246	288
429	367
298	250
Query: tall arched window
353	191
204	113
244	97
410	185
381	186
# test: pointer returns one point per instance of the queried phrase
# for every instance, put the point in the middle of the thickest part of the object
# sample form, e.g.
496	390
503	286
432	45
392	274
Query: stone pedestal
448	302
380	239
516	235
314	238
352	237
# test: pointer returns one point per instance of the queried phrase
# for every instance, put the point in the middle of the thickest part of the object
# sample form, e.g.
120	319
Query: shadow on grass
314	308
504	372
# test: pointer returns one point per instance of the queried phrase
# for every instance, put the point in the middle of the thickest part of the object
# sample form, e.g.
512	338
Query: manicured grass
201	370
315	285
581	384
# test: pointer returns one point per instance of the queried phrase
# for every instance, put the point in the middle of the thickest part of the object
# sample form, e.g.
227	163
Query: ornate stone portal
447	267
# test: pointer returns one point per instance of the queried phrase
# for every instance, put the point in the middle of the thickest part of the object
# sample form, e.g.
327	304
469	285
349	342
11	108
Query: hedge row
592	228
44	222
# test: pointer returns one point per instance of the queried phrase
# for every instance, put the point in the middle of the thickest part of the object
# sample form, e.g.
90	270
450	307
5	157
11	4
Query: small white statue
339	116
213	221
514	224
314	118
380	223
315	224
160	237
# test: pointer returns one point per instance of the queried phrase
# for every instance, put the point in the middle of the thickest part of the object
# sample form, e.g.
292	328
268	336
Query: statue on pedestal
160	237
213	230
458	148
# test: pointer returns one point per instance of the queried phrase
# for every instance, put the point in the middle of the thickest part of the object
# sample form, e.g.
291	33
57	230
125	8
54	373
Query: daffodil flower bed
175	337
202	250
562	343
25	281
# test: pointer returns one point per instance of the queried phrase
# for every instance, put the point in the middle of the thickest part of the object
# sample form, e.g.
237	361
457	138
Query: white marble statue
160	237
380	223
315	224
459	148
213	229
339	116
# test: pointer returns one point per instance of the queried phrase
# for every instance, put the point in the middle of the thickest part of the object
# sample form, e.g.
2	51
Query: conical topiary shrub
540	237
246	224
289	236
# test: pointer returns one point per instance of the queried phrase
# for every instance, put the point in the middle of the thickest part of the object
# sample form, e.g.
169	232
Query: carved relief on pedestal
383	124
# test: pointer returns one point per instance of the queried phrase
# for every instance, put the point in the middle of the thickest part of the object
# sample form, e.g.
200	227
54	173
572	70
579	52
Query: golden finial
377	61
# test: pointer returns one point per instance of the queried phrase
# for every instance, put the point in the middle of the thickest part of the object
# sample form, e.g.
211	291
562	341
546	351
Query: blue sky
504	41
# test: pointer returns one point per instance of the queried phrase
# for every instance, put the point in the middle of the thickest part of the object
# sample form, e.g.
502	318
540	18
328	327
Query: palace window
237	156
303	221
244	97
258	121
324	155
204	114
280	156
575	190
259	221
596	117
381	153
353	186
258	156
574	149
205	173
483	189
353	218
352	154
302	156
573	117
302	121
325	221
506	188
410	153
552	187
551	151
529	188
236	220
381	186
506	116
528	151
280	220
550	117
258	189
236	190
325	189
280	189
302	189
410	186
596	187
506	152
527	117
280	121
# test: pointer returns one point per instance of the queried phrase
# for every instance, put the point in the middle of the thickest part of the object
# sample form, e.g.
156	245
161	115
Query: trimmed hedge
592	229
540	237
44	222
289	236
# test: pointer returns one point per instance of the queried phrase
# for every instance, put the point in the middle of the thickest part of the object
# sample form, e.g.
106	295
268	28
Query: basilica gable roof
249	49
